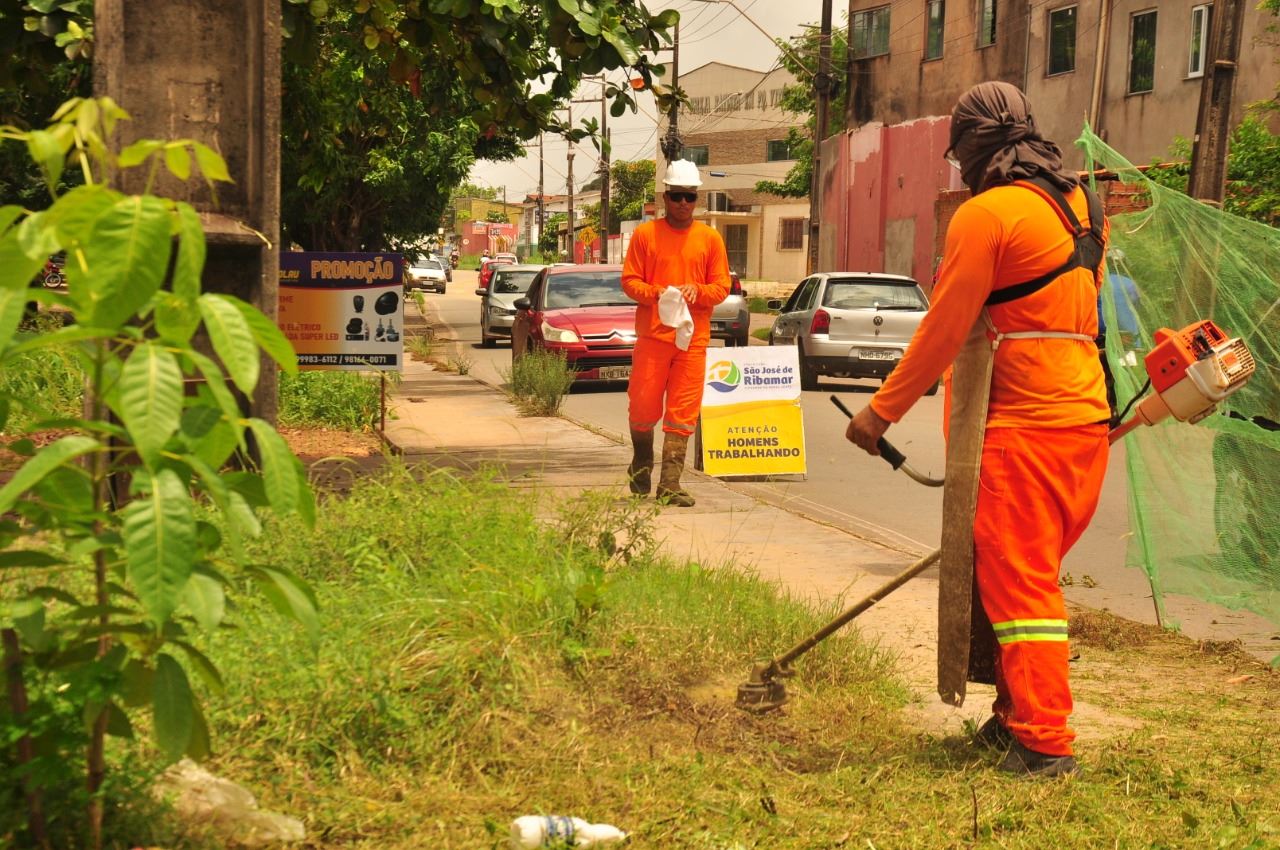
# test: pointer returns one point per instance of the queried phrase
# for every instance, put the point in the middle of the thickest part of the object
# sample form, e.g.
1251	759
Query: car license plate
614	373
717	326
879	354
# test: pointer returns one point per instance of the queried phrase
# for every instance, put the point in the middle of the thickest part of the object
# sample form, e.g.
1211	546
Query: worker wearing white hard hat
674	254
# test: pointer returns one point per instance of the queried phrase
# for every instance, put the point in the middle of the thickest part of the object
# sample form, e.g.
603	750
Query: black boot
674	447
1030	764
640	471
993	734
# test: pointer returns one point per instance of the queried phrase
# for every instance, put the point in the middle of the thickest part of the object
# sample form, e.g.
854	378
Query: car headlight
553	334
497	310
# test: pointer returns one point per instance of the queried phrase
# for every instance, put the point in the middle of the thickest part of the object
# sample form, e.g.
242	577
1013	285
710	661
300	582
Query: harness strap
1087	251
1000	337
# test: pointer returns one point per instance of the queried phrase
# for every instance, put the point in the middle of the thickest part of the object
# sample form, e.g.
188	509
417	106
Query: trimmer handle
891	455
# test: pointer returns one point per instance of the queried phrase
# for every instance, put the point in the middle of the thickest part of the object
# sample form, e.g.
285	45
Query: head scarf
996	141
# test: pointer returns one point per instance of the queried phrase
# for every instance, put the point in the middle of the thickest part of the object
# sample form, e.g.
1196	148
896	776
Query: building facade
736	132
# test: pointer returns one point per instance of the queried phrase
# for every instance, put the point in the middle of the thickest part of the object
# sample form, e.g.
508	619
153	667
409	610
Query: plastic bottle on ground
533	831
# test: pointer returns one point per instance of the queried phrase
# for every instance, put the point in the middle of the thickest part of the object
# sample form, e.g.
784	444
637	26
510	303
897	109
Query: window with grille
1199	40
871	32
790	234
986	23
935	11
1062	41
1142	52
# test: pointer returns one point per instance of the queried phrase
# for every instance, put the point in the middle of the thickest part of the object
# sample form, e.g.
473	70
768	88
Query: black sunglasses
687	197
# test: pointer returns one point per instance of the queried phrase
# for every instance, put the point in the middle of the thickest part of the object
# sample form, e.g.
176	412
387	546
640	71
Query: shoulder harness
1088	241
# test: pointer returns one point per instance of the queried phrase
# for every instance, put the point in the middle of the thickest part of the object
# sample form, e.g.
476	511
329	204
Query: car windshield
429	264
872	295
508	283
586	289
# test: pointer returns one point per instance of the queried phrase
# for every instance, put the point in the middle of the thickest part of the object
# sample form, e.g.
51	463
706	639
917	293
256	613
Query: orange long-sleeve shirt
661	256
999	238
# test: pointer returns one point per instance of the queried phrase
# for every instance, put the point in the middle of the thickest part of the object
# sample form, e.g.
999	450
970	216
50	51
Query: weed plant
539	382
347	401
43	384
460	363
756	304
421	346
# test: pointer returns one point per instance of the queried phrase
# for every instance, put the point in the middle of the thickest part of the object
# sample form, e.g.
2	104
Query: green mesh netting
1204	500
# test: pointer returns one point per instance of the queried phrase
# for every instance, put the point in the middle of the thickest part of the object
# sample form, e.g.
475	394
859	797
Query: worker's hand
865	430
690	292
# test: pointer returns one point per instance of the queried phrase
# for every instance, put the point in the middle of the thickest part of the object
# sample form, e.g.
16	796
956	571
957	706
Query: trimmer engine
1191	370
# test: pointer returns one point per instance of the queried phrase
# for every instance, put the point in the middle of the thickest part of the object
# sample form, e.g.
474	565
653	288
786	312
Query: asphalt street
864	496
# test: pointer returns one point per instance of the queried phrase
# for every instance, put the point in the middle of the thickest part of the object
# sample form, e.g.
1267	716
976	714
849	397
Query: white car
426	274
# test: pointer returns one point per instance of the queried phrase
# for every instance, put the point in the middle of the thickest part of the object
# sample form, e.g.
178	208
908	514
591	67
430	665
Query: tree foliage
632	184
1253	171
801	59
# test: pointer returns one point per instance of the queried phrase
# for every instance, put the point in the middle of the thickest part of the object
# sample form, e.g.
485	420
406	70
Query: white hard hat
682	172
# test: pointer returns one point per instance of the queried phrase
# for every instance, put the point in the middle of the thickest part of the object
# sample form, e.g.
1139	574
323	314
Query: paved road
863	495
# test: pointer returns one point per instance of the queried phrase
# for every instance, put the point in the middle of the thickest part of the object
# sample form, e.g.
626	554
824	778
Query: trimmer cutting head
763	692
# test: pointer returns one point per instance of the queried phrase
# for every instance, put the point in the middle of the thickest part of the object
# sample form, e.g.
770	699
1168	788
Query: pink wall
880	185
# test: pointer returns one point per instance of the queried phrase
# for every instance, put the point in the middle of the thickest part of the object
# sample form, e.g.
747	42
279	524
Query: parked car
426	274
731	320
487	267
849	324
444	264
582	312
506	256
498	302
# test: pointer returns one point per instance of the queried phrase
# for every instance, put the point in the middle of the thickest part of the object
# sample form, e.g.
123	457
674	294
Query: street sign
751	418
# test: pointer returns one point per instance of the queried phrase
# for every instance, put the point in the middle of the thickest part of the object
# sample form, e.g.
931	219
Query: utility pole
604	172
569	212
822	96
671	146
1208	180
542	202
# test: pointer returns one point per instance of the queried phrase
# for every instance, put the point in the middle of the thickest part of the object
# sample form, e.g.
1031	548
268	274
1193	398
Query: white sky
709	32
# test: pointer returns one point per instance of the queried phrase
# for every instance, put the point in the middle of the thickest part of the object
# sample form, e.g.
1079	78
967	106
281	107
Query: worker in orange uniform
669	366
1015	308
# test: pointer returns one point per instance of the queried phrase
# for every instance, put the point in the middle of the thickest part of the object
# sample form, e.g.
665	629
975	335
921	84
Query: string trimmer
764	691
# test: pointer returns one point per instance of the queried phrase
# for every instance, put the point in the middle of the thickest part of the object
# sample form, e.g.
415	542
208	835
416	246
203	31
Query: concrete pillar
208	70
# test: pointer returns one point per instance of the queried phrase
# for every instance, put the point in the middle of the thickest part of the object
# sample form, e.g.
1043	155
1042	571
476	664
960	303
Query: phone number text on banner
752	423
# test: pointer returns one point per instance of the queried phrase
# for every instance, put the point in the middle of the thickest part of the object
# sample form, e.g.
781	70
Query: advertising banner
751	417
343	310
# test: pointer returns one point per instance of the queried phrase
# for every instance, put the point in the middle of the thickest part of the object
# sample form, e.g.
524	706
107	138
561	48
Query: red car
486	268
582	312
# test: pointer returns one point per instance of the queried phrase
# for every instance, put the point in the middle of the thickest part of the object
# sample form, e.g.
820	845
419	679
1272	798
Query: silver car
426	274
849	324
731	320
497	302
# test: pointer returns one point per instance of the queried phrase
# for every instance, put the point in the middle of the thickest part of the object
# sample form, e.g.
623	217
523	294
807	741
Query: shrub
539	381
348	401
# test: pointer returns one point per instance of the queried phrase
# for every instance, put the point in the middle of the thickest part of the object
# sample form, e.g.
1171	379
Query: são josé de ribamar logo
723	375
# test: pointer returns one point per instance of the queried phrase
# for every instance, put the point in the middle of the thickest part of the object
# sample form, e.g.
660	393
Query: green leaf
278	461
199	747
13	305
172	707
217	387
137	153
176	318
191	254
45	461
177	160
118	724
232	339
17	268
138	682
151	398
160	542
203	667
199	420
212	166
570	6
27	558
623	44
49	154
8	215
127	255
291	597
206	600
241	514
267	334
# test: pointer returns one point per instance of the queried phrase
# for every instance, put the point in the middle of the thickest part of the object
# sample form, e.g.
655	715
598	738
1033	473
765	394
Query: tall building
736	133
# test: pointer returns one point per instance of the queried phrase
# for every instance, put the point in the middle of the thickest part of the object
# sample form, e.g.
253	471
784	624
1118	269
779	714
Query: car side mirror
523	304
774	303
482	292
745	293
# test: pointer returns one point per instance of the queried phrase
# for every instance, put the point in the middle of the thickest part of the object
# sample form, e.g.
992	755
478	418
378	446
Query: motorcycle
52	276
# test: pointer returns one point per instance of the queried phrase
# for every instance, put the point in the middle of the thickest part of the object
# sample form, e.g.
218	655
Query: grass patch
539	382
478	664
347	401
44	384
758	304
421	345
761	333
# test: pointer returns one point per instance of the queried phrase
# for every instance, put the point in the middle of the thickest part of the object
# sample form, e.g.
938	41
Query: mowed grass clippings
478	665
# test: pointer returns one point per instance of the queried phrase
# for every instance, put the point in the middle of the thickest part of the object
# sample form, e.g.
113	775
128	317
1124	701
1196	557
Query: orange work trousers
1038	489
666	386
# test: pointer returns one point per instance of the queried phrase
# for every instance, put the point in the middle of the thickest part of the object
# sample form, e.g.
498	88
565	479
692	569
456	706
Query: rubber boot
640	471
674	447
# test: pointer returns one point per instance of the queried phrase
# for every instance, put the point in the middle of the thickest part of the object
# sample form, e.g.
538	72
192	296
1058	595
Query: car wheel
933	390
485	340
808	377
745	339
442	288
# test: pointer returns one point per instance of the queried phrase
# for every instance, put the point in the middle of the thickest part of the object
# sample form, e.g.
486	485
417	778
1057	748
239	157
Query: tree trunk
26	752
